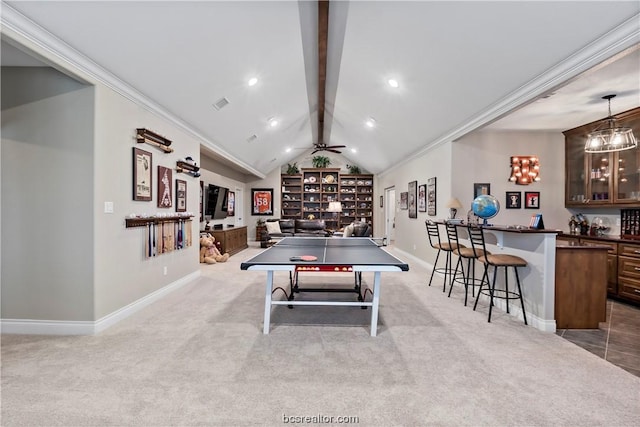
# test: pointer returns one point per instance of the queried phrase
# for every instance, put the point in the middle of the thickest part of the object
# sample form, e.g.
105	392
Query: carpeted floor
198	357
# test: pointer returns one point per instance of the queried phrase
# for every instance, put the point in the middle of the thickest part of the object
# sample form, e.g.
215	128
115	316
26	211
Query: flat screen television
216	202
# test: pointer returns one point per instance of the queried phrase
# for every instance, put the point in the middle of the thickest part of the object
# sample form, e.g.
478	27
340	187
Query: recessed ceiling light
354	150
273	122
393	83
287	150
252	81
371	122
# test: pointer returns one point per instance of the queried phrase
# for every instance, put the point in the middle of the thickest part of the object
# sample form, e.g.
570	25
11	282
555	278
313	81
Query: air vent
221	103
252	138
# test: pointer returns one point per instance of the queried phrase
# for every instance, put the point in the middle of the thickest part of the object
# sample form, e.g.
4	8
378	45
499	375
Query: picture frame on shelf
404	197
532	200
513	200
431	196
165	194
413	202
481	189
142	175
262	201
422	198
181	195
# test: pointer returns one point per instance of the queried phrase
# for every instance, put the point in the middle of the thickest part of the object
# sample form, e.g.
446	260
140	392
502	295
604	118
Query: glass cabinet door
576	182
600	175
627	188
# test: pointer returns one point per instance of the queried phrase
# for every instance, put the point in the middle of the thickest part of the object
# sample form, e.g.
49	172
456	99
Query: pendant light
608	137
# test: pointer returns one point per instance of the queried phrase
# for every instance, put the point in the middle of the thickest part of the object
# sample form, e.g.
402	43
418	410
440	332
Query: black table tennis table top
338	251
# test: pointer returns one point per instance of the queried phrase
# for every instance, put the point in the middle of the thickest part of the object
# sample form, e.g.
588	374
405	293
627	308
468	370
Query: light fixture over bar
525	170
608	137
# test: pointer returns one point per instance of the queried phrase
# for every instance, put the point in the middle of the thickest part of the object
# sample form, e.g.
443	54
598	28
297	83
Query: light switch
108	207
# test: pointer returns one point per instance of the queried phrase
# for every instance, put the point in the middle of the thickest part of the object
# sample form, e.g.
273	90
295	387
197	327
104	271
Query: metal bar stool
476	235
464	253
436	243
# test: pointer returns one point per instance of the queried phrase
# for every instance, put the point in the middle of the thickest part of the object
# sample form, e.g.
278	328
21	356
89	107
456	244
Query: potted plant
320	161
353	169
292	168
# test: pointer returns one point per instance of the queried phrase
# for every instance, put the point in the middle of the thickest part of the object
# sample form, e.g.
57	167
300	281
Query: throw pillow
273	227
348	231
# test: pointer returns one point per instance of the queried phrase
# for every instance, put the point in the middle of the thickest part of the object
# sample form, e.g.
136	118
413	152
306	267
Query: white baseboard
72	327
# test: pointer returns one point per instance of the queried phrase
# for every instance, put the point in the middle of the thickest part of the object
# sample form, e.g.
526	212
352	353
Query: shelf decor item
292	168
353	169
142	175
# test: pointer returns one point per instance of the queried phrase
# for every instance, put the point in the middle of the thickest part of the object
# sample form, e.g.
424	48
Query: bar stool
476	235
471	255
434	240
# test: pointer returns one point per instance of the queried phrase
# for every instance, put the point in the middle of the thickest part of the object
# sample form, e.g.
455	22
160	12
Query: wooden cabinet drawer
612	274
613	247
629	249
629	288
628	267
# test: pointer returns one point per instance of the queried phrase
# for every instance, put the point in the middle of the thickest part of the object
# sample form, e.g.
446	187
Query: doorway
390	214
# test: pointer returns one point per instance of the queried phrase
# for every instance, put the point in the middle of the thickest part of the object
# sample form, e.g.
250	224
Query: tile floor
617	340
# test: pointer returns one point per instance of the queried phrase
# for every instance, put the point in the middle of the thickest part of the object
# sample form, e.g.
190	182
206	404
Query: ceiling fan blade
316	150
333	151
336	146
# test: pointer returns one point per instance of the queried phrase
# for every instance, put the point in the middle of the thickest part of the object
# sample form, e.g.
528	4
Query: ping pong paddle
303	258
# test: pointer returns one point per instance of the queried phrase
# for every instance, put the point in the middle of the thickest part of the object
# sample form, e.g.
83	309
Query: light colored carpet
198	357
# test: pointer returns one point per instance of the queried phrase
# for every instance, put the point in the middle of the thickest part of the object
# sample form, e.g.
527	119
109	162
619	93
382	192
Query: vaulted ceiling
459	66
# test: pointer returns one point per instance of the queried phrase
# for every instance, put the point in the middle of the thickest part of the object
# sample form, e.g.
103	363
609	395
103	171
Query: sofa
296	228
358	229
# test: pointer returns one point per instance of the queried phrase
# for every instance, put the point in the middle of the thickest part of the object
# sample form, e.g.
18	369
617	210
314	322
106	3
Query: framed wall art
142	175
431	196
181	195
201	201
422	198
481	189
532	200
413	199
262	201
513	200
165	195
404	198
231	203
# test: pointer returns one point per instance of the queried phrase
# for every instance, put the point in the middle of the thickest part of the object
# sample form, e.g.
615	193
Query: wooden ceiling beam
323	31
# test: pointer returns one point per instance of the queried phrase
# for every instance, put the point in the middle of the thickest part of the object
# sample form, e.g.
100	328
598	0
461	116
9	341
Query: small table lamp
335	207
453	205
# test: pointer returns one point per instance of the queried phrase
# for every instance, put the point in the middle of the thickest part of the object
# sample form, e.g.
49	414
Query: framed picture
513	200
431	196
532	200
413	199
262	201
381	201
181	195
231	203
404	197
165	195
142	175
422	198
481	189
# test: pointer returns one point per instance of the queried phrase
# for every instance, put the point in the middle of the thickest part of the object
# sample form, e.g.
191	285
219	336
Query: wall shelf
143	222
145	136
187	168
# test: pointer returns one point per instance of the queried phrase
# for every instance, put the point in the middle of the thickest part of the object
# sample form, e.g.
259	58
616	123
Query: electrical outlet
108	207
164	270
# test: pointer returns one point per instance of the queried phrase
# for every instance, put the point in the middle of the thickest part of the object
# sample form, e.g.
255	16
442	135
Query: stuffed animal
209	253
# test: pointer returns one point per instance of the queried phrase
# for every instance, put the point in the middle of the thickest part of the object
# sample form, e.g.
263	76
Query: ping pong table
332	255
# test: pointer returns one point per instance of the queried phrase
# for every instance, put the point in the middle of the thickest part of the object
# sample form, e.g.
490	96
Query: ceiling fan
321	146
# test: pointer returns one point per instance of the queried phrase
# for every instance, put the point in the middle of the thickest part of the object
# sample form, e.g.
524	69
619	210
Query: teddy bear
209	253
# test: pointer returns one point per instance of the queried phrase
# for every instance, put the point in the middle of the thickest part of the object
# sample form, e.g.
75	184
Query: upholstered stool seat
476	235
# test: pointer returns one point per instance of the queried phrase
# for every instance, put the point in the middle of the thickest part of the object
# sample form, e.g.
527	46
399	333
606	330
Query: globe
485	207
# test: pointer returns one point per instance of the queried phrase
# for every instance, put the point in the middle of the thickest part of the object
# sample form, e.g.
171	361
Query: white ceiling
460	65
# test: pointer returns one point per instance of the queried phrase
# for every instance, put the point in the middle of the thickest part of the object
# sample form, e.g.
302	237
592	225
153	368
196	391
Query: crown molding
622	37
22	30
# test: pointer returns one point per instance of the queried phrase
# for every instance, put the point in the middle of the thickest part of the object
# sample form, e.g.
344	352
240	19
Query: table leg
267	302
376	301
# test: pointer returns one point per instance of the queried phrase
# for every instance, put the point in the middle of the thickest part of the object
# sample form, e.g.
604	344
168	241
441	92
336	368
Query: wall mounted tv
216	202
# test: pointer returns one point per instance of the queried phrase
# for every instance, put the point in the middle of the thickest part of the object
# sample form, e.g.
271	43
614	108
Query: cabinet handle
637	268
637	291
636	252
